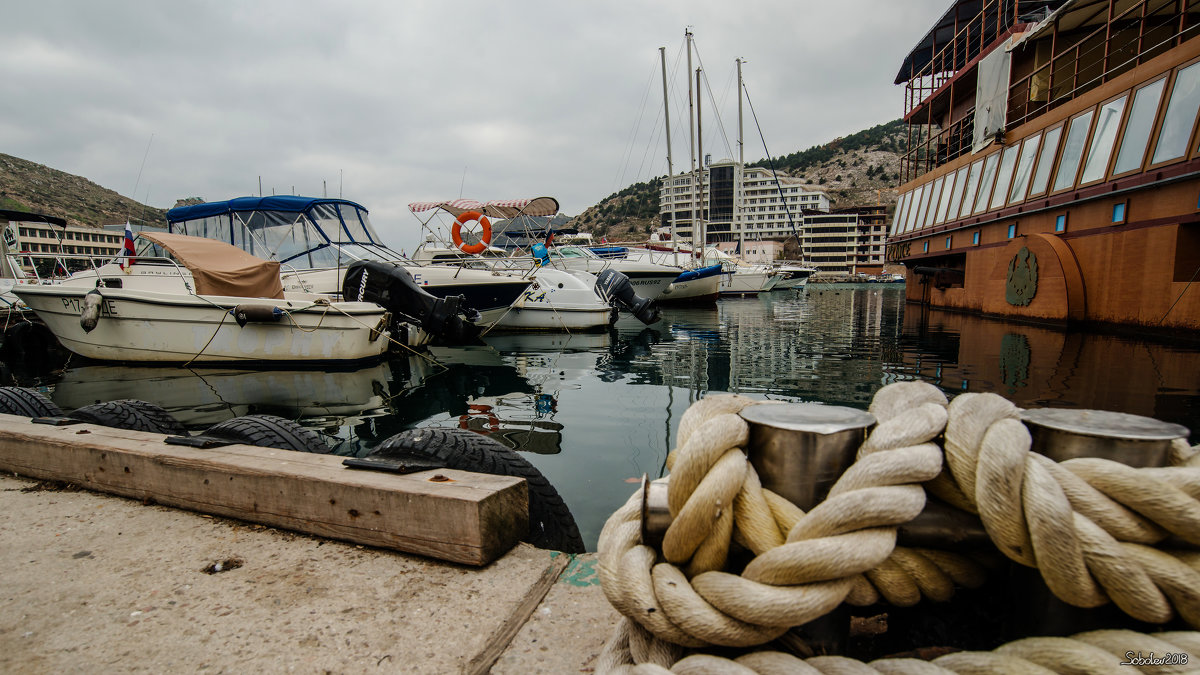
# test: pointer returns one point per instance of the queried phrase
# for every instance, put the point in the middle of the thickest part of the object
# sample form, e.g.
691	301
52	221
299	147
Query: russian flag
126	259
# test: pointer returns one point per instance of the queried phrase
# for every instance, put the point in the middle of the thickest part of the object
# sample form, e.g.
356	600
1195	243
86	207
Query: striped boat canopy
497	208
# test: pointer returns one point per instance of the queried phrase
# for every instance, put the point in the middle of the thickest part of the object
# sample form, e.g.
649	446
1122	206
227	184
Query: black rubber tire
130	414
551	525
27	403
269	431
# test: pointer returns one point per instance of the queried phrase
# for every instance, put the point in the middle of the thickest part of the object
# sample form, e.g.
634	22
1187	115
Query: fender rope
1086	524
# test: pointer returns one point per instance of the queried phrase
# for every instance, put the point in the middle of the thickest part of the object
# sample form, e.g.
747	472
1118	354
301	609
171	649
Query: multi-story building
739	203
750	204
1053	164
44	238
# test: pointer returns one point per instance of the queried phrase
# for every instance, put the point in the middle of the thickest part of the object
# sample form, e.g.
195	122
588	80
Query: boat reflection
1039	367
202	397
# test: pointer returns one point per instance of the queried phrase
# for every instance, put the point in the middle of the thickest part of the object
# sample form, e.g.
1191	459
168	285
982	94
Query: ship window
985	183
948	240
1012	230
1107	123
947	190
960	185
935	198
975	238
1007	162
923	215
1180	116
914	213
1118	214
1138	128
1060	223
898	216
1041	175
1068	164
925	247
972	187
1024	166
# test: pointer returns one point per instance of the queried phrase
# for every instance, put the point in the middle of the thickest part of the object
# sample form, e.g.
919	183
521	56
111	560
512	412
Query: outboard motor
614	288
447	319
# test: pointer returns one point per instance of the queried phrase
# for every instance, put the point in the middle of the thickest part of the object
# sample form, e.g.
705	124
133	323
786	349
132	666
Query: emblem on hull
1022	278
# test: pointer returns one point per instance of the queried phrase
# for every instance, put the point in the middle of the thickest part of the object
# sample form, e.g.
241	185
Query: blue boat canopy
301	232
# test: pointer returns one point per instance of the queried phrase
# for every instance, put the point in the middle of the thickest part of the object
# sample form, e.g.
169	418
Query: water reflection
595	411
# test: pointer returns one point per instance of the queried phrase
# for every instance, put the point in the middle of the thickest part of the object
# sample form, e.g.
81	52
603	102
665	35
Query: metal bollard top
1063	434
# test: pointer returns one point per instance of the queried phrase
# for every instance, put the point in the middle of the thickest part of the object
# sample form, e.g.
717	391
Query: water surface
595	411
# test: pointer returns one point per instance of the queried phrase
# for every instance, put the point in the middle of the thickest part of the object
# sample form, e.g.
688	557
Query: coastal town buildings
744	206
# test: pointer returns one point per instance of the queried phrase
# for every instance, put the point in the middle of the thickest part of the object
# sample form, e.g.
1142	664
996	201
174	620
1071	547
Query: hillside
28	186
856	170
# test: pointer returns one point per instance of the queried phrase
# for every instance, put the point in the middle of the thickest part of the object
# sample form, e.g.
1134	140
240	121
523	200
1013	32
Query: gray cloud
394	102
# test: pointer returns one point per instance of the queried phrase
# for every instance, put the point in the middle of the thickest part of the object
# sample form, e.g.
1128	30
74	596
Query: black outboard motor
446	319
615	289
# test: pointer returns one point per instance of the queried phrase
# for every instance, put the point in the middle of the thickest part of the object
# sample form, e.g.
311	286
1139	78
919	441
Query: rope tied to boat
1087	524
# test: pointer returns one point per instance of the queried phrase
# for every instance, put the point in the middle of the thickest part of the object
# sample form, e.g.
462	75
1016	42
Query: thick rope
806	563
1086	524
1096	652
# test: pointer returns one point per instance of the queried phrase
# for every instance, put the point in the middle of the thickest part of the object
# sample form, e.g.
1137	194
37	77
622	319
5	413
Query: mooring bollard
1063	434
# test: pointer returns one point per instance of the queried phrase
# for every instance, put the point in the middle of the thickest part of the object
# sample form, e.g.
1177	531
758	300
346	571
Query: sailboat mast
692	138
662	55
700	173
737	213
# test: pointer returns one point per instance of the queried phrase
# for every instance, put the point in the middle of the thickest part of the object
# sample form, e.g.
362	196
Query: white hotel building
742	204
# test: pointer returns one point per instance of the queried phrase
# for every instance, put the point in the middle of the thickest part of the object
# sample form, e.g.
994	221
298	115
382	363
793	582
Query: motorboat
315	240
649	278
740	277
794	274
193	300
692	286
559	299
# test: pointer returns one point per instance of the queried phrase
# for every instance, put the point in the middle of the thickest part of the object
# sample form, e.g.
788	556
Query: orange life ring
474	412
485	237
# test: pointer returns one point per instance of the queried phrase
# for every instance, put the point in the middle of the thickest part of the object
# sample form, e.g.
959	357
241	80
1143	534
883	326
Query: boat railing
93	263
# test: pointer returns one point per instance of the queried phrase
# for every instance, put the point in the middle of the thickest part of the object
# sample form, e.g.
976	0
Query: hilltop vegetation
856	170
29	186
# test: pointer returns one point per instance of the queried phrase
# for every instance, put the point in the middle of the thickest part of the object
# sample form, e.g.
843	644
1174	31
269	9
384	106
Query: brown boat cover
219	268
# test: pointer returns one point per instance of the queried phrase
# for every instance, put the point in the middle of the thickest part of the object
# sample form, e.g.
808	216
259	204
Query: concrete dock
94	582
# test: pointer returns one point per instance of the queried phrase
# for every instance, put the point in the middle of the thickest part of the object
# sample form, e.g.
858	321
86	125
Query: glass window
914	210
898	216
1060	223
1012	230
919	222
972	186
947	190
1138	128
1100	150
934	196
1041	176
985	183
960	185
1024	166
1007	162
1068	165
1180	116
975	238
1118	214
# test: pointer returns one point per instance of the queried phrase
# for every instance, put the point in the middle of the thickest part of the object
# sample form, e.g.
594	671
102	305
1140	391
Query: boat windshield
323	235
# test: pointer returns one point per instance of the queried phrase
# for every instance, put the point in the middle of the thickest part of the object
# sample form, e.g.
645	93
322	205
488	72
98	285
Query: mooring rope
634	651
1086	524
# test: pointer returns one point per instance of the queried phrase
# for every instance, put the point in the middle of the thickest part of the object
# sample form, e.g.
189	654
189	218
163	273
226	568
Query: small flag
127	251
60	270
603	239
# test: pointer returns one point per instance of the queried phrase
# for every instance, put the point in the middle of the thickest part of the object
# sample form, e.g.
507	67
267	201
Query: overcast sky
389	102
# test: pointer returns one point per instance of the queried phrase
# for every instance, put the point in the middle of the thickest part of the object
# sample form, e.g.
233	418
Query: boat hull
143	326
705	290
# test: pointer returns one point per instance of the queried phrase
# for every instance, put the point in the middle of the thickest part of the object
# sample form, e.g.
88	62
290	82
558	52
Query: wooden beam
459	516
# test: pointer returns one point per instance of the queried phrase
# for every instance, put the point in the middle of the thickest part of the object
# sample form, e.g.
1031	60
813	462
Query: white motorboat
693	285
316	239
649	278
739	277
794	274
189	299
559	299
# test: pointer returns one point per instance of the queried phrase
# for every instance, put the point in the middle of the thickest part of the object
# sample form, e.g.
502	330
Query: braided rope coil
1087	524
634	651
